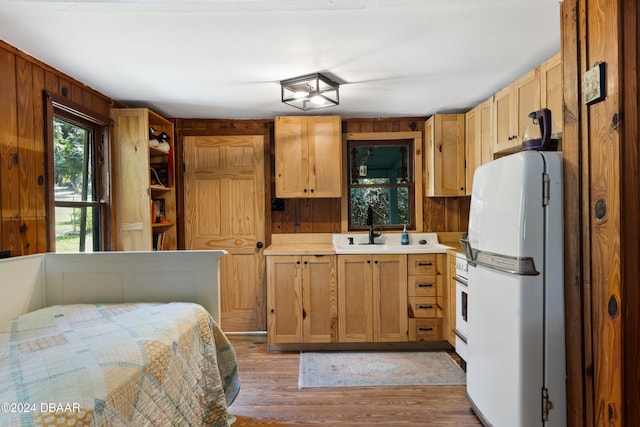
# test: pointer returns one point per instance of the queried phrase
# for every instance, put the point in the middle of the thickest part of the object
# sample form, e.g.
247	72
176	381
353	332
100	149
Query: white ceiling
225	58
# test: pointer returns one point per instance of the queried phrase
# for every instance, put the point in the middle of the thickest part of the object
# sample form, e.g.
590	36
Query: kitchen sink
389	243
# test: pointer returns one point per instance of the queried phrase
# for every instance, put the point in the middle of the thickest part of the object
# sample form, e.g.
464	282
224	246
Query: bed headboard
37	281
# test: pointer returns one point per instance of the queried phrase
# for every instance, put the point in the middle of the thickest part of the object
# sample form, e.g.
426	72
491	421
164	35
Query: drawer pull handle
425	264
425	329
425	285
425	307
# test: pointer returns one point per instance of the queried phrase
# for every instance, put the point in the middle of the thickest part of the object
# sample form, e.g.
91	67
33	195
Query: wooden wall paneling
577	301
631	209
9	158
434	214
604	204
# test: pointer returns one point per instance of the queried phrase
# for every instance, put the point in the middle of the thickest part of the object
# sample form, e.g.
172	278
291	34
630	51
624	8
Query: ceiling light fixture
310	92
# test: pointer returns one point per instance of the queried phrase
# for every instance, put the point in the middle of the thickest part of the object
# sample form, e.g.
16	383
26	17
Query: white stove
462	296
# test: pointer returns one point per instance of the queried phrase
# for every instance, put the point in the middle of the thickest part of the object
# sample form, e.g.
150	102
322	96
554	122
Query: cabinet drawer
425	329
424	307
422	264
424	285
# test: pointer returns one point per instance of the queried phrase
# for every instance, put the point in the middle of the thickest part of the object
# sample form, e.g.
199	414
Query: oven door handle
460	280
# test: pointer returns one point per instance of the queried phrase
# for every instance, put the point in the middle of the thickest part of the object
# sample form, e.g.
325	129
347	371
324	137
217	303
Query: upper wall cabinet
445	152
512	105
478	139
551	91
308	156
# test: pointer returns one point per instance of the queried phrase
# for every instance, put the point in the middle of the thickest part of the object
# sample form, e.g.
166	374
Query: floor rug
366	369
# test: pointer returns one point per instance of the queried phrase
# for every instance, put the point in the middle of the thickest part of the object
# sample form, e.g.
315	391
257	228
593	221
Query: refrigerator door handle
523	266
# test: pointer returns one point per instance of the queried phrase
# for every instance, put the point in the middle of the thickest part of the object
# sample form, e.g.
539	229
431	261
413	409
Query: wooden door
355	321
284	299
486	131
390	314
447	154
473	148
320	300
292	156
528	99
325	156
504	110
225	209
551	90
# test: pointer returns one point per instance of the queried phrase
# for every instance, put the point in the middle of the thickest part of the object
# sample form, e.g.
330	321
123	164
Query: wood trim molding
418	160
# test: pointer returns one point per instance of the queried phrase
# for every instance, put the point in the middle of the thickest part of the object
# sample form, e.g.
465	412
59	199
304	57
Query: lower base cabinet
372	298
302	299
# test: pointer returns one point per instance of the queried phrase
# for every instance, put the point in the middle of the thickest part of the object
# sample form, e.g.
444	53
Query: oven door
461	308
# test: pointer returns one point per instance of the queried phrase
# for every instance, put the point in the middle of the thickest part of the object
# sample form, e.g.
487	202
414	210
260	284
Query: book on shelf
158	213
158	241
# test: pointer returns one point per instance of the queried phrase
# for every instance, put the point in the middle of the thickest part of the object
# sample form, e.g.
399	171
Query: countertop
322	244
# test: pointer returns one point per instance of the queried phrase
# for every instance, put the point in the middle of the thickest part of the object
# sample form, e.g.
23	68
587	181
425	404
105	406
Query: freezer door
507	213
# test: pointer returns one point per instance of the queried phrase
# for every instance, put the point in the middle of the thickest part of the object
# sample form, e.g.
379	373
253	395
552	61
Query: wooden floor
269	396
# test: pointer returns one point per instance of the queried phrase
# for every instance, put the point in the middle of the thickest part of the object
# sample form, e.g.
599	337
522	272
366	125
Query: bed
138	348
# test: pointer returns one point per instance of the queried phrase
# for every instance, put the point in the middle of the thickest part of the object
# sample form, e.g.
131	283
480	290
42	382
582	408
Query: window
381	175
77	177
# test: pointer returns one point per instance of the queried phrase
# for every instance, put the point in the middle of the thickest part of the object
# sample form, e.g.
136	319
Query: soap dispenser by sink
404	239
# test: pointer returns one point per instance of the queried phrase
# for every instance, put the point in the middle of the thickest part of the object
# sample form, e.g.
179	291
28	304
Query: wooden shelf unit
134	192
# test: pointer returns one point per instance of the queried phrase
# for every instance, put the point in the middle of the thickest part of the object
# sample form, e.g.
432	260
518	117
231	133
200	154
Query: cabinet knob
259	245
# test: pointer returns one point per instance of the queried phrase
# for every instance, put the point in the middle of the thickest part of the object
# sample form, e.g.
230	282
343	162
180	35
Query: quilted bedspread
122	364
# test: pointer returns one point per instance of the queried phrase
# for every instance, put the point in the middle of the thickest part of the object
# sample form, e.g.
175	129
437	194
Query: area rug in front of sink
368	369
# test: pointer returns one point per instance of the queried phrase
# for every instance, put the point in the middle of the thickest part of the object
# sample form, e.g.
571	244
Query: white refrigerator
516	370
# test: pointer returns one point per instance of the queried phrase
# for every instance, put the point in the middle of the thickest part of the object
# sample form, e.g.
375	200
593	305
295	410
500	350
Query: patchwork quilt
116	365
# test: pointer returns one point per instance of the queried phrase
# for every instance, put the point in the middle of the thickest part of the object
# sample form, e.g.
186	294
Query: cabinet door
325	156
451	301
473	147
486	131
504	113
445	156
284	299
131	179
551	90
320	303
390	315
528	99
292	156
355	318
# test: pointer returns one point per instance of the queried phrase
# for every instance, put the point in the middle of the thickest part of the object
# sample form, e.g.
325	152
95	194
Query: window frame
418	179
60	106
410	185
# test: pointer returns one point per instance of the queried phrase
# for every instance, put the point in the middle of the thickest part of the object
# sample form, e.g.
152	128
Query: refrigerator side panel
555	357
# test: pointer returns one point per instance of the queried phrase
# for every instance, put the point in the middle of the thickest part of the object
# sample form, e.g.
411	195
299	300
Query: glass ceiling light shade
310	92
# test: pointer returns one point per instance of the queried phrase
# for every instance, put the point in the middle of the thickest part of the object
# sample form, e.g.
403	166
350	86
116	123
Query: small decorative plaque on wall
593	86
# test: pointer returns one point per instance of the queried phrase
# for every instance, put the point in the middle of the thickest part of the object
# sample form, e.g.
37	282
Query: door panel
224	209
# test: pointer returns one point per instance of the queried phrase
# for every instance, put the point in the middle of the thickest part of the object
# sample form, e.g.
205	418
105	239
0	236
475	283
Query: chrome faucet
372	235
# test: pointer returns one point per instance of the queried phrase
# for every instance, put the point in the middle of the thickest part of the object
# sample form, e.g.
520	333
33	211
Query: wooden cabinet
372	298
308	156
449	335
301	299
478	139
445	152
143	182
426	297
512	106
551	91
